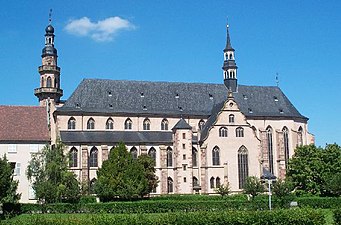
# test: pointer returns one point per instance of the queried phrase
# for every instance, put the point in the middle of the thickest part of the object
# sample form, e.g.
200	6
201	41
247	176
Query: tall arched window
286	145
223	132
169	157
49	82
93	159
128	124
231	118
71	124
152	153
164	124
146	124
109	125
243	166
194	157
239	132
73	157
300	137
195	182
169	185
91	124
270	149
217	182
212	182
201	124
133	152
216	156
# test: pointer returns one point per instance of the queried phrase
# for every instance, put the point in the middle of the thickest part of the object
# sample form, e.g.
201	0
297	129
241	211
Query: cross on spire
50	16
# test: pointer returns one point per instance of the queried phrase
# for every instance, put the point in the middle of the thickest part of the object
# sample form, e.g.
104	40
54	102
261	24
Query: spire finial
50	16
228	41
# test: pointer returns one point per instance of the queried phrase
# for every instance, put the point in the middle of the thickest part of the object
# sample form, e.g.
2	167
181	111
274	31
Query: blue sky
181	41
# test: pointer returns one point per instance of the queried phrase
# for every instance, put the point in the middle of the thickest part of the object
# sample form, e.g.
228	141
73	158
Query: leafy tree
333	184
120	176
223	189
8	187
312	168
253	186
52	182
148	164
282	189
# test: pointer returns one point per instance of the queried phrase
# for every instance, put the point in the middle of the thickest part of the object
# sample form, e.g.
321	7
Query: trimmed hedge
337	216
320	202
283	217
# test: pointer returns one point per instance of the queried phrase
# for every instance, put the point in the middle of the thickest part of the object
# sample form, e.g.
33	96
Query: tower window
49	82
91	124
223	132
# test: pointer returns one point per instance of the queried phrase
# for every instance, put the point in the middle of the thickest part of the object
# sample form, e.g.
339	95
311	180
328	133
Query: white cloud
102	30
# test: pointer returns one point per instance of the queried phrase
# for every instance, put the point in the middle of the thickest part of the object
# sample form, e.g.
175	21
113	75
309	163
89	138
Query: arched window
201	124
216	156
169	185
133	152
92	185
270	149
243	166
239	132
109	125
231	56
73	157
223	132
194	157
231	118
300	137
71	124
42	82
146	124
93	160
164	124
217	182
286	145
91	124
169	157
128	124
49	82
152	153
212	182
195	182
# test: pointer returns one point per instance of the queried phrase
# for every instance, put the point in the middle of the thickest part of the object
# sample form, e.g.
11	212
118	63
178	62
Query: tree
8	187
223	189
148	164
253	186
120	176
282	189
52	181
312	168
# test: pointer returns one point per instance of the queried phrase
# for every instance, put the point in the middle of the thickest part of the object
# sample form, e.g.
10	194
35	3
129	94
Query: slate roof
182	125
23	124
128	137
174	99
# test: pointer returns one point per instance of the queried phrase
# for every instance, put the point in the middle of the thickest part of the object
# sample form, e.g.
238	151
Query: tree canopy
315	170
8	186
52	182
121	176
253	186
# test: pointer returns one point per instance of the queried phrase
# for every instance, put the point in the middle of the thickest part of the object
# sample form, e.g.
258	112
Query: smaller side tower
49	90
229	66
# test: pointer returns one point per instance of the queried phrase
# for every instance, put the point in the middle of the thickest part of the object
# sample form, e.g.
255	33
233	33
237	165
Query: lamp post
267	175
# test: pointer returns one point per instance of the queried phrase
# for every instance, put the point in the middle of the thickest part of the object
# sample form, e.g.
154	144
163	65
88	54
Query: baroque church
200	135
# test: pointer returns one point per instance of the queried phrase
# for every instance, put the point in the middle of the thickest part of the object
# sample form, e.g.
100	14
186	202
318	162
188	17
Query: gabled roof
174	99
182	125
23	124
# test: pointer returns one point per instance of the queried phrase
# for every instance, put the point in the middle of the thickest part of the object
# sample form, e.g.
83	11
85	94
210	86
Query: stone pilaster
264	149
203	159
143	149
226	177
164	172
84	166
105	152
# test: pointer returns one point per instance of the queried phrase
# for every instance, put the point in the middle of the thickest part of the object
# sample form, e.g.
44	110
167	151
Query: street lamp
267	175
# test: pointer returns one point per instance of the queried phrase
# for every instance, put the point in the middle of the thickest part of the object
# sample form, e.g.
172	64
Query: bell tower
229	66
49	90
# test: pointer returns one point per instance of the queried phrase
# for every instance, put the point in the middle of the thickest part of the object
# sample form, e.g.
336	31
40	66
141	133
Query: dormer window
276	99
177	96
142	94
109	93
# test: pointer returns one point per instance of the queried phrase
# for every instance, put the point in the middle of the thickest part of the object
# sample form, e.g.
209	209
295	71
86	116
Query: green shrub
87	199
337	216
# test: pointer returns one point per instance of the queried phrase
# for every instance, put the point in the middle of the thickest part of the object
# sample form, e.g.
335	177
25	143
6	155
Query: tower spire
229	66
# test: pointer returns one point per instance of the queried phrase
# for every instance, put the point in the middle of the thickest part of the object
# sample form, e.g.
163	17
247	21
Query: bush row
319	202
283	217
